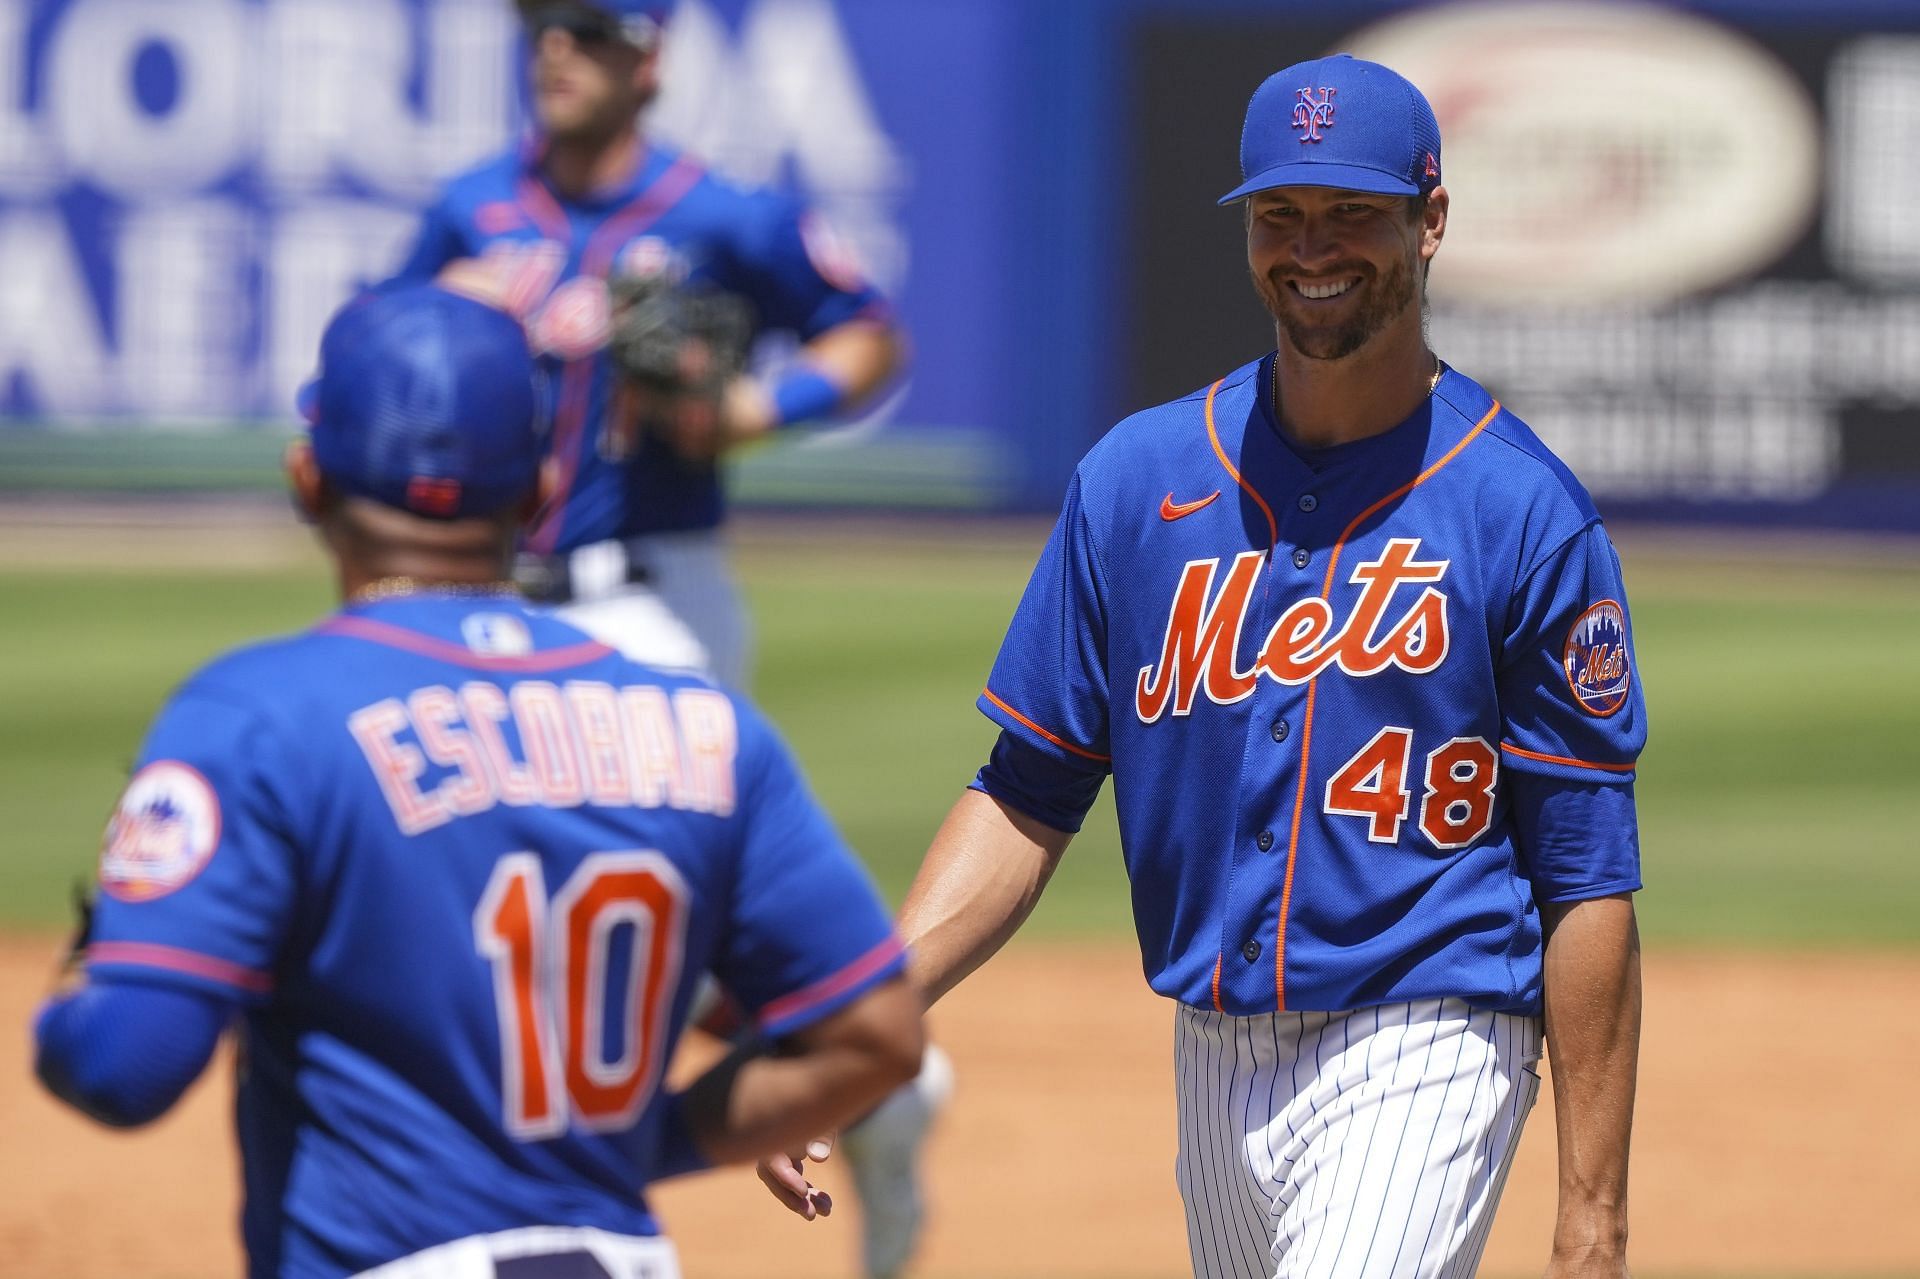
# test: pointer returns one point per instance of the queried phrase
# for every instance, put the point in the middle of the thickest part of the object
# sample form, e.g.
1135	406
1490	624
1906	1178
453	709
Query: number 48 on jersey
1456	806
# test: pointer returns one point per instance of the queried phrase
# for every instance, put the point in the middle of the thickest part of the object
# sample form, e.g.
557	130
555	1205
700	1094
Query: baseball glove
676	349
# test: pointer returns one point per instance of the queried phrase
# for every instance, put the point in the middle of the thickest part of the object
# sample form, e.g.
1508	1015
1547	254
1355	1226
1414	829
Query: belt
585	572
553	1265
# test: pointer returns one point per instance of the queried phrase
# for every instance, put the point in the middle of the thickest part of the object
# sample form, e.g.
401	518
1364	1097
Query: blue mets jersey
462	865
671	218
1364	709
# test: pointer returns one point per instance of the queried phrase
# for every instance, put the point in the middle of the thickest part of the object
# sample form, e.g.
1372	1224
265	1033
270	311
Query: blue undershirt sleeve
123	1052
1578	839
1055	790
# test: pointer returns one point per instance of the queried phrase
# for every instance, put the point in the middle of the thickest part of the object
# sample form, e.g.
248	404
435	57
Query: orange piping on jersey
1306	725
377	632
1062	743
1217	961
175	959
1213	438
1571	763
545	211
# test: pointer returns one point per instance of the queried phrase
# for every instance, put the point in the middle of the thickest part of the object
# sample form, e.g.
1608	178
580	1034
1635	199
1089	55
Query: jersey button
1265	841
1301	558
1308	501
1250	951
1279	730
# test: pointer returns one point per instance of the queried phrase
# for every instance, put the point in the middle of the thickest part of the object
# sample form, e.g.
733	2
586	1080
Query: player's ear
305	485
646	75
1433	223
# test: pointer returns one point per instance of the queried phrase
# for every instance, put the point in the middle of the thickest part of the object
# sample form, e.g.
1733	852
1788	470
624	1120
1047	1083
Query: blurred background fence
1683	242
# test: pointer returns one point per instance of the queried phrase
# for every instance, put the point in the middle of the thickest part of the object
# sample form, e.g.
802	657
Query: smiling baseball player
1354	647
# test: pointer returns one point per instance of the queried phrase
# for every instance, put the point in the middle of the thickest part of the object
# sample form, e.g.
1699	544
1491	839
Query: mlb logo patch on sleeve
1599	668
164	830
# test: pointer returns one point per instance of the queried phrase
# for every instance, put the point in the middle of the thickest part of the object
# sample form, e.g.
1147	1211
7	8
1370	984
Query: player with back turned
455	866
1354	647
566	230
590	231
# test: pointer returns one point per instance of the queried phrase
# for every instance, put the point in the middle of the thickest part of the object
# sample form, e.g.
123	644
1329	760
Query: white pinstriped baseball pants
1362	1145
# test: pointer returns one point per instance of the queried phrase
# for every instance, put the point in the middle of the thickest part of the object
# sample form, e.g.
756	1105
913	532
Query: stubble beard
1388	296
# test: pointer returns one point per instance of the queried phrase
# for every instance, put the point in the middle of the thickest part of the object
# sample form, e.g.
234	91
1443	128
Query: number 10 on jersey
552	965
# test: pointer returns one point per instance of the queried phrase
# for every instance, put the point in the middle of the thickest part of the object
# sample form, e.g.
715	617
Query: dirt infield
1774	1137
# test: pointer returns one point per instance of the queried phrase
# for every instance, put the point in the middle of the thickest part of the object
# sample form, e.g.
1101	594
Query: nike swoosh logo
1171	510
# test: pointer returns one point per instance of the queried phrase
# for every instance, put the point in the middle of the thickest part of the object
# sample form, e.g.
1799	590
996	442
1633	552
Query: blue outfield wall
1682	243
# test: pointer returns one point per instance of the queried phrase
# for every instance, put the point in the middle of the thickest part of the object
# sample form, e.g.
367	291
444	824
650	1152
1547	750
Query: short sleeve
197	866
807	933
797	270
1576	839
1573	723
438	242
1049	682
1569	683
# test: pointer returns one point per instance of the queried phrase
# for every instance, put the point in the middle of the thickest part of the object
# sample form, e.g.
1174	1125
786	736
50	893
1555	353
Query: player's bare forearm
1592	987
753	1103
859	356
978	883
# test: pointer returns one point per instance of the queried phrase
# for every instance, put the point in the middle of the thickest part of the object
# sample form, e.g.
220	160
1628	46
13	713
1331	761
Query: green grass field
1785	703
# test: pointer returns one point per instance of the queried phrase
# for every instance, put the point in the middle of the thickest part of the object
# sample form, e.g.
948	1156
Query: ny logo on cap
1313	114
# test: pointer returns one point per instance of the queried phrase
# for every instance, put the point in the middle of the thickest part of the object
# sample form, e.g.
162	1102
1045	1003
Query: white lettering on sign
109	136
338	103
317	254
1873	90
788	93
27	165
181	327
259	161
49	332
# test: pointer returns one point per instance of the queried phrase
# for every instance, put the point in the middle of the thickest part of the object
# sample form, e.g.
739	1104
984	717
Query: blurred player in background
642	280
587	211
457	866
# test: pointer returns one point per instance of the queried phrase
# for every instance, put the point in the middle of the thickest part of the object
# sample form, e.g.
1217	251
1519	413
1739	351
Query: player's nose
553	42
1315	242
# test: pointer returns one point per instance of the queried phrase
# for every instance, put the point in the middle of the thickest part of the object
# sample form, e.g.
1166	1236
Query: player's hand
701	426
785	1176
484	279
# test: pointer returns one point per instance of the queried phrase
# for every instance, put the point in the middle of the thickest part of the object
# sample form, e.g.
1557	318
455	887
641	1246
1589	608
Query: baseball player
629	538
454	866
629	543
1353	645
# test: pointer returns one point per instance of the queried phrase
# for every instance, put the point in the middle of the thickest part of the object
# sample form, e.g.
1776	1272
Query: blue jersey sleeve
123	1052
797	270
1055	789
807	931
439	241
1049	682
1573	722
1576	839
197	871
1568	681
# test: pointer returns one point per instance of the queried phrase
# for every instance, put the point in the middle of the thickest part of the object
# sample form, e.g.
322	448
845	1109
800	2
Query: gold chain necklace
387	588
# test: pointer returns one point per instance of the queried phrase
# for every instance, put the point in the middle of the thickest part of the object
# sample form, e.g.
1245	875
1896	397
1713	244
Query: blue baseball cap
638	22
1339	122
426	401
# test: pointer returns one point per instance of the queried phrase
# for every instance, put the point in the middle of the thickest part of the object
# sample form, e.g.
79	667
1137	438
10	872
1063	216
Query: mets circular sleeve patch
164	830
1599	668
